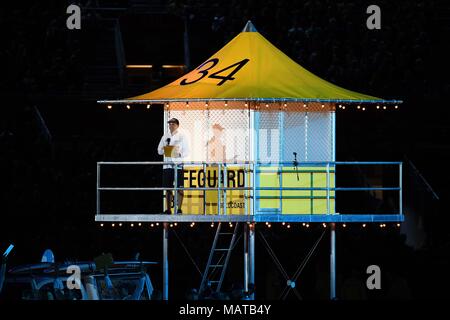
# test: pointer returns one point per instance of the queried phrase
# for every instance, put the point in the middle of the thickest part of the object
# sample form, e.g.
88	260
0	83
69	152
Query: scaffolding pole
165	262
333	261
246	258
251	254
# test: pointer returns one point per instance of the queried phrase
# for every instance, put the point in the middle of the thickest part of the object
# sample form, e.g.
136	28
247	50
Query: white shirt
179	139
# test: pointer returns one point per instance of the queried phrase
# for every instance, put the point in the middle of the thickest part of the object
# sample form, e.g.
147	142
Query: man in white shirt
174	146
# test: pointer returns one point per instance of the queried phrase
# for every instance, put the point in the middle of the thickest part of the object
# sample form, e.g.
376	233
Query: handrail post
328	188
175	196
246	190
98	190
204	191
225	180
280	187
219	181
254	166
401	187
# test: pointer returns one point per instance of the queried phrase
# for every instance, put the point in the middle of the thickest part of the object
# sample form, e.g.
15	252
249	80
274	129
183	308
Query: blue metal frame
259	215
311	218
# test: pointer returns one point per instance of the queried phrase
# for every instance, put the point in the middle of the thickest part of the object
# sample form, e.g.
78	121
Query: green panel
269	179
315	202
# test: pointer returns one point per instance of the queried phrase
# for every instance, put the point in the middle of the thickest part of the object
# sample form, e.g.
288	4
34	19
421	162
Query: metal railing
251	188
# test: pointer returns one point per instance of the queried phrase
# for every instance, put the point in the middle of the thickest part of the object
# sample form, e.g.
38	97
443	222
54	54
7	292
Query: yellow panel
269	179
308	177
296	206
193	202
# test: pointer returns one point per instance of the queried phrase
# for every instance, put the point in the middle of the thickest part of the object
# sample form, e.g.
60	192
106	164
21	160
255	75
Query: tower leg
333	261
251	254
165	261
246	265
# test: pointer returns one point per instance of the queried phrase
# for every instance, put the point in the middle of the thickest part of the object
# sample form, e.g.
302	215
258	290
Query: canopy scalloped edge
265	100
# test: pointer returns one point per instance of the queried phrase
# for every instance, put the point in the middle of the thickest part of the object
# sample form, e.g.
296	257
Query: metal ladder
215	260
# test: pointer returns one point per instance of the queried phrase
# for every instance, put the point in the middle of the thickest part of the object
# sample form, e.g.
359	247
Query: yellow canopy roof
250	68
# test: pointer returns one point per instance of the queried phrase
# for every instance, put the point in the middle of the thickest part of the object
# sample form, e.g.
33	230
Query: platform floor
251	218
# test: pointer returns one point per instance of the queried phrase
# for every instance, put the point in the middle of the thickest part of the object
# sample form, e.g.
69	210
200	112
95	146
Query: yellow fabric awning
250	68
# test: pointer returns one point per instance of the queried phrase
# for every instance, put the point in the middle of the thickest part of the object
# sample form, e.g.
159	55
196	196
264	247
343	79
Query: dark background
52	131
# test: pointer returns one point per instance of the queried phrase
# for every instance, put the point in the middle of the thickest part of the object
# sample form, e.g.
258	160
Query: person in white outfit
174	146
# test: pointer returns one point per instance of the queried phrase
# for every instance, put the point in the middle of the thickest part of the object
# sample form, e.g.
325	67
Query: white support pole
333	261
246	273
165	261
251	254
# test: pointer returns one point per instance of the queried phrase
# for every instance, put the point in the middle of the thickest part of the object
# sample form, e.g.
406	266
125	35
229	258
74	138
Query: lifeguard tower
262	136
